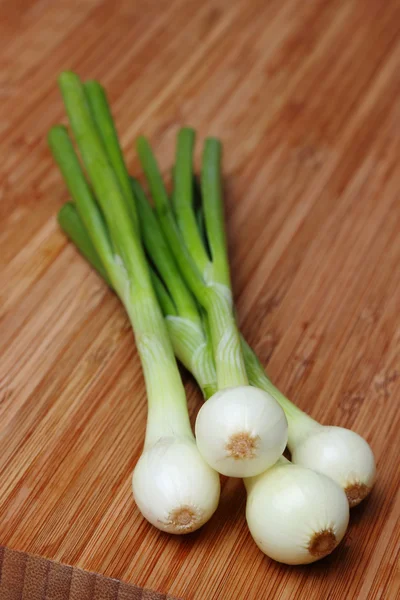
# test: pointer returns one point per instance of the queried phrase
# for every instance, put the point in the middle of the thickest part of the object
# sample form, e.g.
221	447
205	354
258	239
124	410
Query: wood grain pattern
305	98
24	576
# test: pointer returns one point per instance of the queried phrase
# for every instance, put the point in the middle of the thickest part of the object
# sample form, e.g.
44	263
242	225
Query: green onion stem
167	221
103	178
102	116
164	299
211	188
167	408
67	160
158	249
209	287
183	199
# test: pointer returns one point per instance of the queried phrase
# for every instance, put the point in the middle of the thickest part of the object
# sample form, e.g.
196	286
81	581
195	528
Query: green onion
173	486
295	515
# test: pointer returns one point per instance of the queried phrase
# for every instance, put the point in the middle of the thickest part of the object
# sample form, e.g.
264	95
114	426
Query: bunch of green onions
168	263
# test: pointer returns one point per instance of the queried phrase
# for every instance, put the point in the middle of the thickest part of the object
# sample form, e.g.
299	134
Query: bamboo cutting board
305	96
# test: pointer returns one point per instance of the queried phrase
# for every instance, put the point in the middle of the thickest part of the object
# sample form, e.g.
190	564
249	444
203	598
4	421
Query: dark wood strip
29	577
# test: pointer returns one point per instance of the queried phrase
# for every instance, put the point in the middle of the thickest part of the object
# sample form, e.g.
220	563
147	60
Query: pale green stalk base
193	351
225	336
167	406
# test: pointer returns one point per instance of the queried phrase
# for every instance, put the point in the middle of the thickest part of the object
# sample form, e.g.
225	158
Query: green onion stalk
174	488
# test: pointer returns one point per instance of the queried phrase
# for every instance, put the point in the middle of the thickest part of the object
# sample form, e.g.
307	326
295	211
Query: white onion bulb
295	516
174	488
341	454
241	431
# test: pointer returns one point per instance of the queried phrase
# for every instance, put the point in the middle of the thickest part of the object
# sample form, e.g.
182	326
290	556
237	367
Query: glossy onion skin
288	506
241	431
342	455
174	488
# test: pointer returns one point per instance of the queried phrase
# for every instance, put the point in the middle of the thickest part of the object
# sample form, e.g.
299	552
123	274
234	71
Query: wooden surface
306	98
28	577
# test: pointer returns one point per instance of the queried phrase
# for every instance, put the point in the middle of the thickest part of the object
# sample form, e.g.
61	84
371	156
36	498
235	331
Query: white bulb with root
241	431
295	515
337	452
174	488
